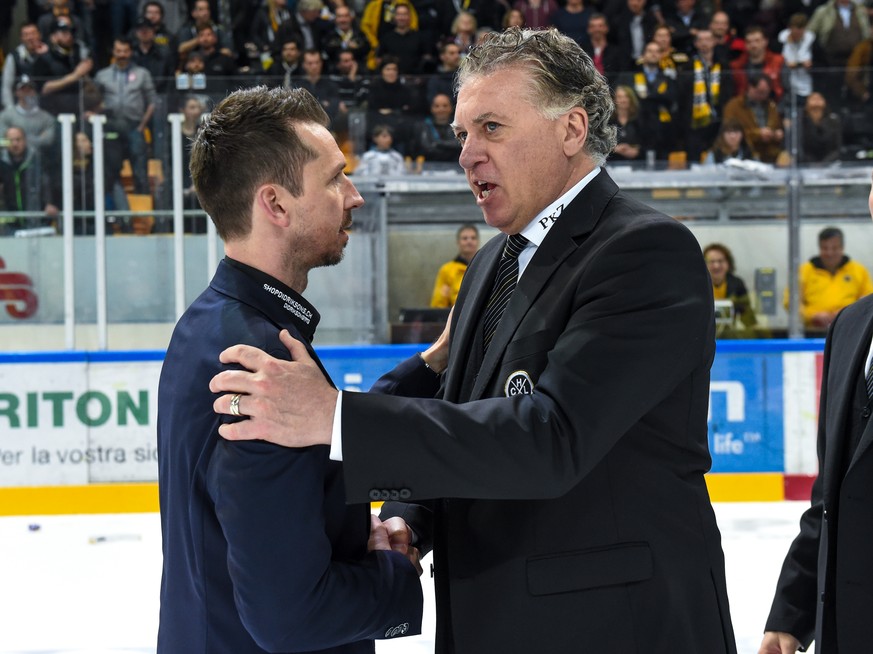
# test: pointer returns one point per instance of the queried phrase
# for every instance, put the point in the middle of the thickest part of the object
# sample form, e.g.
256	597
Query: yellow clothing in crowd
822	291
448	283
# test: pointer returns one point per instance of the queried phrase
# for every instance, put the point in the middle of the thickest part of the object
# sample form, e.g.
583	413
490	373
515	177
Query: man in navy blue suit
261	552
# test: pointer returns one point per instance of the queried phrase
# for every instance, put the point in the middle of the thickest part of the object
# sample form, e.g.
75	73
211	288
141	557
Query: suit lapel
577	220
844	361
861	350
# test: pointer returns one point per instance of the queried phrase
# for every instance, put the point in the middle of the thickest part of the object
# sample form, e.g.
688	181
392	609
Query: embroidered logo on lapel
518	383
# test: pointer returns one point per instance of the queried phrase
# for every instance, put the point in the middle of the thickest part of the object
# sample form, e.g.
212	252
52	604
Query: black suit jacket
261	553
826	585
577	518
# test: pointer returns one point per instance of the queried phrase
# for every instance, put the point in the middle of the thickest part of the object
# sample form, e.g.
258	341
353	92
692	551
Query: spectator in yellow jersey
448	279
830	282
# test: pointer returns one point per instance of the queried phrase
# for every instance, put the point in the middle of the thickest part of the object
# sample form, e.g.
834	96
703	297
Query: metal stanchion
97	122
175	121
66	121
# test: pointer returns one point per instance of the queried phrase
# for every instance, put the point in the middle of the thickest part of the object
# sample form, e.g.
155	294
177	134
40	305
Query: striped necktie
504	285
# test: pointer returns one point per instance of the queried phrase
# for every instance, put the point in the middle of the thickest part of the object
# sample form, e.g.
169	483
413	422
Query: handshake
393	534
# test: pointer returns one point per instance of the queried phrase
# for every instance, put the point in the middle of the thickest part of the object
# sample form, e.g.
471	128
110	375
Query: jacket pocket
594	568
541	341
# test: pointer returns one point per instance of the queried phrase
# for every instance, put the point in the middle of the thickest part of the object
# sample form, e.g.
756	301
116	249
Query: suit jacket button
375	495
405	493
394	495
866	412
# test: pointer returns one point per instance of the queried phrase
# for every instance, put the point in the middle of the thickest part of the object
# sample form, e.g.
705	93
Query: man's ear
274	203
576	121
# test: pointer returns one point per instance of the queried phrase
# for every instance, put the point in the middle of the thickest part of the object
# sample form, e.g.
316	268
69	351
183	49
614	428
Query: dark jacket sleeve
796	598
292	595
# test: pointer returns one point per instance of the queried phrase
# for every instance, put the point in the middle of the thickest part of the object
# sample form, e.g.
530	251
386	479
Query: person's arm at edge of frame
799	575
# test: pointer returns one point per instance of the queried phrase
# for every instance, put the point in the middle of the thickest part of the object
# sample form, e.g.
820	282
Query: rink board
77	429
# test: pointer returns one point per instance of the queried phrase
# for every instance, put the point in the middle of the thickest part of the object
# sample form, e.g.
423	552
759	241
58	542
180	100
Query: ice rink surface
89	584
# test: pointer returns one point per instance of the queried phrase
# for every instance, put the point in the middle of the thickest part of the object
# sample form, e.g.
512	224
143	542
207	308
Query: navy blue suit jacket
261	552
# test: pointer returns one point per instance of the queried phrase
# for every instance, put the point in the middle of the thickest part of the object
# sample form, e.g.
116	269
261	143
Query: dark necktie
504	285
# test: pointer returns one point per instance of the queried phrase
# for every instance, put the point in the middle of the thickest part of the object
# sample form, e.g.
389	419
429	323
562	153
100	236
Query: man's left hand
289	403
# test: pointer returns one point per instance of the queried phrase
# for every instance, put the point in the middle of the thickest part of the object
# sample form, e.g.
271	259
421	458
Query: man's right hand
393	534
778	642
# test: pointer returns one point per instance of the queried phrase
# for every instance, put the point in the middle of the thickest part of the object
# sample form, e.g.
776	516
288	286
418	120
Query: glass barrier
815	165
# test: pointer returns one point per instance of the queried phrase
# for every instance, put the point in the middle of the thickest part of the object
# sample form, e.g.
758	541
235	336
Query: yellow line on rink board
92	498
746	487
143	497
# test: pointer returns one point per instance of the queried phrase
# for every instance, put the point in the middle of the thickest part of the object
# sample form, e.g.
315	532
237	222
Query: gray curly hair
563	76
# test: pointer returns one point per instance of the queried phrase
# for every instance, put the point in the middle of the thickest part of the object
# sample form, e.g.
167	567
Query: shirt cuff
336	436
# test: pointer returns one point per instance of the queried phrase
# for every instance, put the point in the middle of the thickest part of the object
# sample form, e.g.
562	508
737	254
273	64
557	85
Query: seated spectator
609	60
728	46
157	59
346	36
153	12
59	9
729	144
310	22
625	118
633	25
39	125
684	22
320	86
463	31
381	160
673	61
189	36
390	101
443	80
839	26
727	286
217	62
193	79
378	18
435	140
798	48
829	282
513	18
858	74
19	62
26	186
265	29
451	273
758	60
353	87
285	70
756	111
572	20
536	12
405	44
822	132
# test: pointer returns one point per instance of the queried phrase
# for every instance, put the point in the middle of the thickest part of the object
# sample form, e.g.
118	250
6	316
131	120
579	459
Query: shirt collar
537	228
282	303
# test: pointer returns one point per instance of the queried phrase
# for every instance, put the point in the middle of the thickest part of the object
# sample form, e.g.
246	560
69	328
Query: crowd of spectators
696	81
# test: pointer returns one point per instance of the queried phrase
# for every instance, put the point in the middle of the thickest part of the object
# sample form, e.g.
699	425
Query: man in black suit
570	440
824	590
261	552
